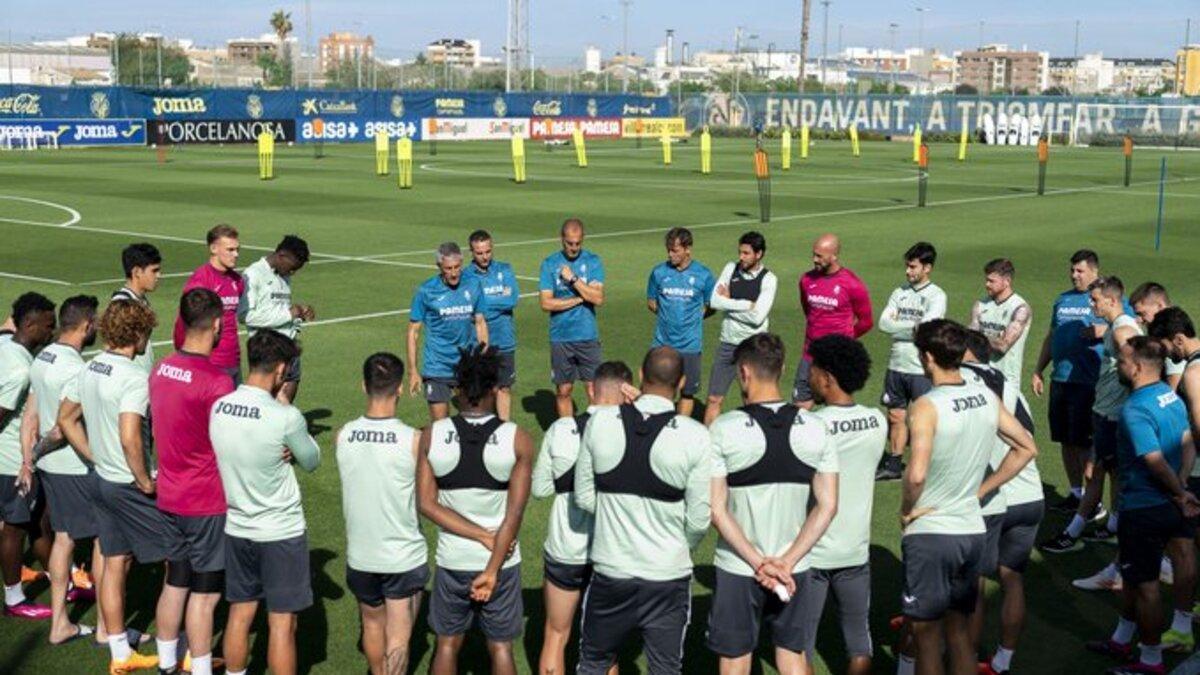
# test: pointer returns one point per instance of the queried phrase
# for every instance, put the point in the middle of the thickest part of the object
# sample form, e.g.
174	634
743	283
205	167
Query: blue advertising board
78	132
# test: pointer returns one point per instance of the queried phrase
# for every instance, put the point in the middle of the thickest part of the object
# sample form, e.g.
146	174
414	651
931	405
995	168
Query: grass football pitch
64	217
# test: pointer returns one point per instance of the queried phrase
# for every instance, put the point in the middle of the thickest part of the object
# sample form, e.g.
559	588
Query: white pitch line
44	280
75	215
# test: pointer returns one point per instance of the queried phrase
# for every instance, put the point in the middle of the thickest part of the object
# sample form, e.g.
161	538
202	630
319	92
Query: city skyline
561	31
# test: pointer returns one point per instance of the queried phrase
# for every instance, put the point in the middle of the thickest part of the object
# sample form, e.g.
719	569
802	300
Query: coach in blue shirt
570	288
677	293
1154	448
452	306
1074	345
500	292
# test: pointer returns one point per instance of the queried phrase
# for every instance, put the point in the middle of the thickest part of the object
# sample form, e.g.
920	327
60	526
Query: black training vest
778	463
566	482
633	475
994	380
471	471
745	288
1180	390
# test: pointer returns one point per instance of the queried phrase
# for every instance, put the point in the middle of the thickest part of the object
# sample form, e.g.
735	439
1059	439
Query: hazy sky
562	28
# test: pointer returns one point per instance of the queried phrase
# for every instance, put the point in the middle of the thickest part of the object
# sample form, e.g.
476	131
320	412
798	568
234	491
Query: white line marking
44	280
75	215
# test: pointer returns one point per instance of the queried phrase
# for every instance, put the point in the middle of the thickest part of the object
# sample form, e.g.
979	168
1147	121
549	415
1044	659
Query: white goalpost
1148	124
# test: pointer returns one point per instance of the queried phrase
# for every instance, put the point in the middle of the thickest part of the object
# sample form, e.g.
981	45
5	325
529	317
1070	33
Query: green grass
980	209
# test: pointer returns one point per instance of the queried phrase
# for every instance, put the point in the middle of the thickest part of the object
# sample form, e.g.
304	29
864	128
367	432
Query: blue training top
577	324
682	296
449	318
500	291
1152	420
1075	358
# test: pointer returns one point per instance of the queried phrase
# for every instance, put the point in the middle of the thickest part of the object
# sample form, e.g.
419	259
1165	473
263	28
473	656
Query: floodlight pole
824	41
625	42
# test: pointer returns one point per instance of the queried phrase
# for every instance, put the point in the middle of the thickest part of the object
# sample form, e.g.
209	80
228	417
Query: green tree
1056	91
137	62
966	90
281	23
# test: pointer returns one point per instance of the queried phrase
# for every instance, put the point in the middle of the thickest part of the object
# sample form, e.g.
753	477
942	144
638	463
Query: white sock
1182	622
118	647
13	595
1075	528
1002	659
1151	655
167	658
1077	490
906	665
235	672
1165	566
202	665
1112	521
1124	632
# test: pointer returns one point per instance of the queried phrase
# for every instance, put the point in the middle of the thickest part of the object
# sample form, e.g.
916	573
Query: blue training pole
1162	187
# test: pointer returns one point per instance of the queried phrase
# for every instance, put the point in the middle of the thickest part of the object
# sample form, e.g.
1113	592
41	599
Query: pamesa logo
500	107
397	106
254	106
99	105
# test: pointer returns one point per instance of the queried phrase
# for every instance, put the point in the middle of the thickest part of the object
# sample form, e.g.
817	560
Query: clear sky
562	28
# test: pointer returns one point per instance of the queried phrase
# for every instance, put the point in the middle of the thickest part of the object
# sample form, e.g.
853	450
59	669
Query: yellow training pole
917	146
266	156
381	153
804	142
705	151
962	139
518	157
404	162
666	146
854	149
785	149
580	148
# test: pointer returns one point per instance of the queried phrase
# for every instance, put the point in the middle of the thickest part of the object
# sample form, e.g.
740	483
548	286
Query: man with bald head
835	302
643	471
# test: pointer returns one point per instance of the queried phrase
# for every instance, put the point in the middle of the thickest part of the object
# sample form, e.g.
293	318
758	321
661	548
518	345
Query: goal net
1150	124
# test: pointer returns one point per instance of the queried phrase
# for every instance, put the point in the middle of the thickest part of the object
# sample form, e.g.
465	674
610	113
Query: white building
592	61
54	65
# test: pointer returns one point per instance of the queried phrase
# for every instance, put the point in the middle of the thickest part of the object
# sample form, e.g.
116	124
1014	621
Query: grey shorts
203	541
71	499
1021	522
615	609
724	370
275	572
17	508
800	389
851	588
566	576
990	560
439	389
691	374
941	573
1104	441
570	361
451	610
740	605
129	522
294	372
372	588
508	369
900	389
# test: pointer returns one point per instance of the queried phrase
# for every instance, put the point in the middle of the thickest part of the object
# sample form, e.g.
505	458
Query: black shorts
941	573
989	562
614	609
1071	413
565	576
800	389
1193	486
570	361
851	588
900	389
439	389
691	374
740	605
202	539
275	572
71	499
17	508
372	588
724	370
1104	441
1142	536
452	611
129	521
508	369
1021	523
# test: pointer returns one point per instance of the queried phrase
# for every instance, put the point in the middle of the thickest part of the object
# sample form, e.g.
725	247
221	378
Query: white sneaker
1166	573
1107	579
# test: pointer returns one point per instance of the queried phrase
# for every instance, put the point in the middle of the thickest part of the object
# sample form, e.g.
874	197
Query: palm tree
803	42
281	23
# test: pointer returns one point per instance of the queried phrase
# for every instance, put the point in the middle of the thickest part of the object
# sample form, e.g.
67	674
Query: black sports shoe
1068	504
891	467
1063	543
1101	535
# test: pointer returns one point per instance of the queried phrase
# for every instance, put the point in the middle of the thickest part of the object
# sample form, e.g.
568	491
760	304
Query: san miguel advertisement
178	132
474	128
564	127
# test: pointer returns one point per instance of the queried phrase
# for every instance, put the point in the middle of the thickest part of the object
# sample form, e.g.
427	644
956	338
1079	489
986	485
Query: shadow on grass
541	404
313	418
